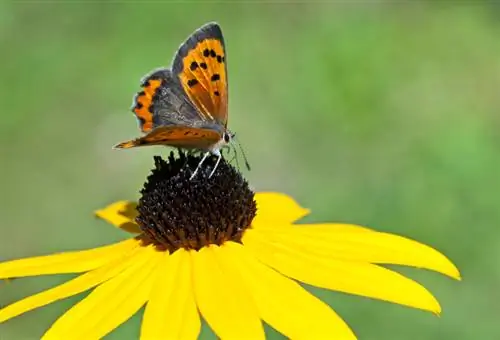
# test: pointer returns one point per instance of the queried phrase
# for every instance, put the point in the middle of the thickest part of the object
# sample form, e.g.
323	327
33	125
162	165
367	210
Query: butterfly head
228	136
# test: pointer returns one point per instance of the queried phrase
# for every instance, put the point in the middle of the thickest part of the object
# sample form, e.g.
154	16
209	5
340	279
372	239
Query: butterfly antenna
242	152
235	157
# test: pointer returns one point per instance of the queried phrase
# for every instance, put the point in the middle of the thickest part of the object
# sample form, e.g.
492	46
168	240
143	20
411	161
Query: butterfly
186	106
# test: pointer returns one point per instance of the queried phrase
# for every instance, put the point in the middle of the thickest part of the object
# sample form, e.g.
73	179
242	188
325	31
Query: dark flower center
178	212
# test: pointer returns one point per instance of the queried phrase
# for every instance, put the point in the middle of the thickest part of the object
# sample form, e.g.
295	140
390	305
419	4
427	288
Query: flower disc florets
176	211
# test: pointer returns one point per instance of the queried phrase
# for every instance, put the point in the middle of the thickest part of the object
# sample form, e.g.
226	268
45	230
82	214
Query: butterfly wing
163	102
200	65
177	136
142	103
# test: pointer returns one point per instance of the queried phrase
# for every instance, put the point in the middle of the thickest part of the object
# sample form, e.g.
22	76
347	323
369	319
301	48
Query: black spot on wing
192	82
215	77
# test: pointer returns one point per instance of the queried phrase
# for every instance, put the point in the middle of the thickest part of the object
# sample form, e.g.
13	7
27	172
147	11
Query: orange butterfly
186	106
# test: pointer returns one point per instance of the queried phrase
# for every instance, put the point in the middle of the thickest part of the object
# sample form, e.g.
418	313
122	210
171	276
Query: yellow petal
221	298
171	312
332	228
276	208
372	247
69	262
283	303
111	303
358	278
70	288
121	214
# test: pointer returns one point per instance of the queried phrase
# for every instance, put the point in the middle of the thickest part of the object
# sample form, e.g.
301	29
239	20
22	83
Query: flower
211	247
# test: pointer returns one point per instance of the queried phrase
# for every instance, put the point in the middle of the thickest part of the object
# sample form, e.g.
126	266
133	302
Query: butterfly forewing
200	65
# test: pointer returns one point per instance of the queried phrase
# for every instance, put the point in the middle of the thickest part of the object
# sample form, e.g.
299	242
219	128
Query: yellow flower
212	248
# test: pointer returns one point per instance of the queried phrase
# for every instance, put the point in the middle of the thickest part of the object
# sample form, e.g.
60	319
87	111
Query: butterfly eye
227	137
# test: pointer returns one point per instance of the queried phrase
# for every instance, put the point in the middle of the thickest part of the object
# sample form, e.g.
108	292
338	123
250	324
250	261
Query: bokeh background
385	115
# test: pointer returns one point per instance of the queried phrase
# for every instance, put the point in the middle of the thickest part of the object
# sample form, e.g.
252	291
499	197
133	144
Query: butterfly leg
216	165
199	165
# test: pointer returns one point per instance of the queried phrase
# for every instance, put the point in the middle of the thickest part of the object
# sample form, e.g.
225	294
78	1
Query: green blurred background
382	115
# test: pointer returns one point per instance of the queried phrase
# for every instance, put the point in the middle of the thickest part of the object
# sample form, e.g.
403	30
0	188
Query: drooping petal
121	214
222	299
372	247
171	312
283	303
70	288
68	262
360	278
111	303
276	208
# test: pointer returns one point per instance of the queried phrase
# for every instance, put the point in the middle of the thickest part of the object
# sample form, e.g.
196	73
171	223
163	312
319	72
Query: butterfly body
186	106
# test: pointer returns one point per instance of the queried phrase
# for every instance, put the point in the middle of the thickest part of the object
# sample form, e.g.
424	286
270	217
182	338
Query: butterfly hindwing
163	102
176	136
142	104
200	65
